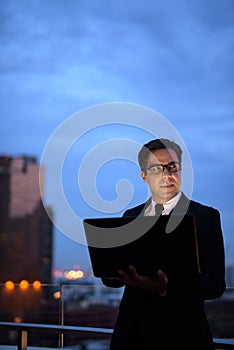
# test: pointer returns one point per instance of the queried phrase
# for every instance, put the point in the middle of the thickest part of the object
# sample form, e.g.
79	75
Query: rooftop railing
83	315
23	330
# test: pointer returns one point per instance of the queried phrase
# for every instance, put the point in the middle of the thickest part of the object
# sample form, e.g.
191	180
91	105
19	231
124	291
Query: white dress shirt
167	207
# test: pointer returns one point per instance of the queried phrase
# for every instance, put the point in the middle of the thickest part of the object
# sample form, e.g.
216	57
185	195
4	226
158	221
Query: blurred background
58	58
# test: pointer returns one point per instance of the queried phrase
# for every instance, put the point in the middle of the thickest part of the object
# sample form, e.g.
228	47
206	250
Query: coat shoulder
135	211
202	207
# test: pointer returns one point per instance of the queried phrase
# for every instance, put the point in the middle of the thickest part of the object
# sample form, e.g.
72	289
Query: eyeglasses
172	167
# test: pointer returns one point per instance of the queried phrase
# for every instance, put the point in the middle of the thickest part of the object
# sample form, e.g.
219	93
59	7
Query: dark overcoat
176	320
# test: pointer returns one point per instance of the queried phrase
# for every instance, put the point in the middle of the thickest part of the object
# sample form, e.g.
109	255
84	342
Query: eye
173	167
156	168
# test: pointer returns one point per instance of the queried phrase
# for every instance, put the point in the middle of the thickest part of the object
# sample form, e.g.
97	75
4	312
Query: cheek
177	180
152	181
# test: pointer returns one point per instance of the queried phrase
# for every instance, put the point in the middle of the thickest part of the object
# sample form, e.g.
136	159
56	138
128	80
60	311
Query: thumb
161	275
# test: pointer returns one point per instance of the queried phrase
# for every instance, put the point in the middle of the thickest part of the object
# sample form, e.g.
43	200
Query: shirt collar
168	206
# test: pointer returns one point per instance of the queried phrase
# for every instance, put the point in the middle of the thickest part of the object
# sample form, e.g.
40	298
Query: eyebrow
172	162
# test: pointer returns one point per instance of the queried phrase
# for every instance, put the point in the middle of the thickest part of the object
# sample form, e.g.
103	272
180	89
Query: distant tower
26	232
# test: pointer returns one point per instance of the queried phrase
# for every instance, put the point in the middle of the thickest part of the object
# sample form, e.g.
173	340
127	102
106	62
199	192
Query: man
160	312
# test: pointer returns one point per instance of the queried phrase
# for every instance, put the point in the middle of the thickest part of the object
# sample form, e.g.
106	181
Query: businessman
162	312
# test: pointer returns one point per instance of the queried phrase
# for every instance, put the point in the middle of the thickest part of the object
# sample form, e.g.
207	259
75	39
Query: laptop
167	242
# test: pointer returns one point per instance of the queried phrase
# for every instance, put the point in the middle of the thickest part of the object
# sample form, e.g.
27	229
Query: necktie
158	209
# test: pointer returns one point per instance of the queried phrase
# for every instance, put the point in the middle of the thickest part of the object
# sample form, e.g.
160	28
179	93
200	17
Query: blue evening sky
172	56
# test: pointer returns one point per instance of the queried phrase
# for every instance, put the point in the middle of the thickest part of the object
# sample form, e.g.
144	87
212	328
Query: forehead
162	156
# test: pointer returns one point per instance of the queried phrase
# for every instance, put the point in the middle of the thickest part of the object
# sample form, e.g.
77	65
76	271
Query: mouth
167	186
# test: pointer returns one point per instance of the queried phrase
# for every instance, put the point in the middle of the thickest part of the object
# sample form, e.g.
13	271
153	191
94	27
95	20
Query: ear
143	175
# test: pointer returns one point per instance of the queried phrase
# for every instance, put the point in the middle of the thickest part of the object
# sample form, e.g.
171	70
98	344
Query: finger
134	273
124	276
122	273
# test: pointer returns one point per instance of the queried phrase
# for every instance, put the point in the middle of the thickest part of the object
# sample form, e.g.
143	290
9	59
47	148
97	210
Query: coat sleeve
210	283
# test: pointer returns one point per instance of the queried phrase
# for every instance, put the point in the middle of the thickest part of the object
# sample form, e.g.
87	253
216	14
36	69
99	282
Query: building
26	232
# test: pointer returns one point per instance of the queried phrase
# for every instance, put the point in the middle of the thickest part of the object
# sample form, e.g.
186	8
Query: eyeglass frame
164	166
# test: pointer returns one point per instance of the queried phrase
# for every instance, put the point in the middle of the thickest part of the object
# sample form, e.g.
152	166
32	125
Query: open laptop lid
116	243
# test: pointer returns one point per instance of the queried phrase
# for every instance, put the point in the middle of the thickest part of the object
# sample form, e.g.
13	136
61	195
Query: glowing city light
23	284
37	285
57	295
9	285
73	274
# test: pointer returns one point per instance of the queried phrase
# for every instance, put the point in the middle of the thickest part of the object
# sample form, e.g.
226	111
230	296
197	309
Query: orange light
57	295
37	285
9	285
23	284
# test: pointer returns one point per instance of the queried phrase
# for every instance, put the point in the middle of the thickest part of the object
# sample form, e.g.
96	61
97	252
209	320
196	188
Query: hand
156	283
